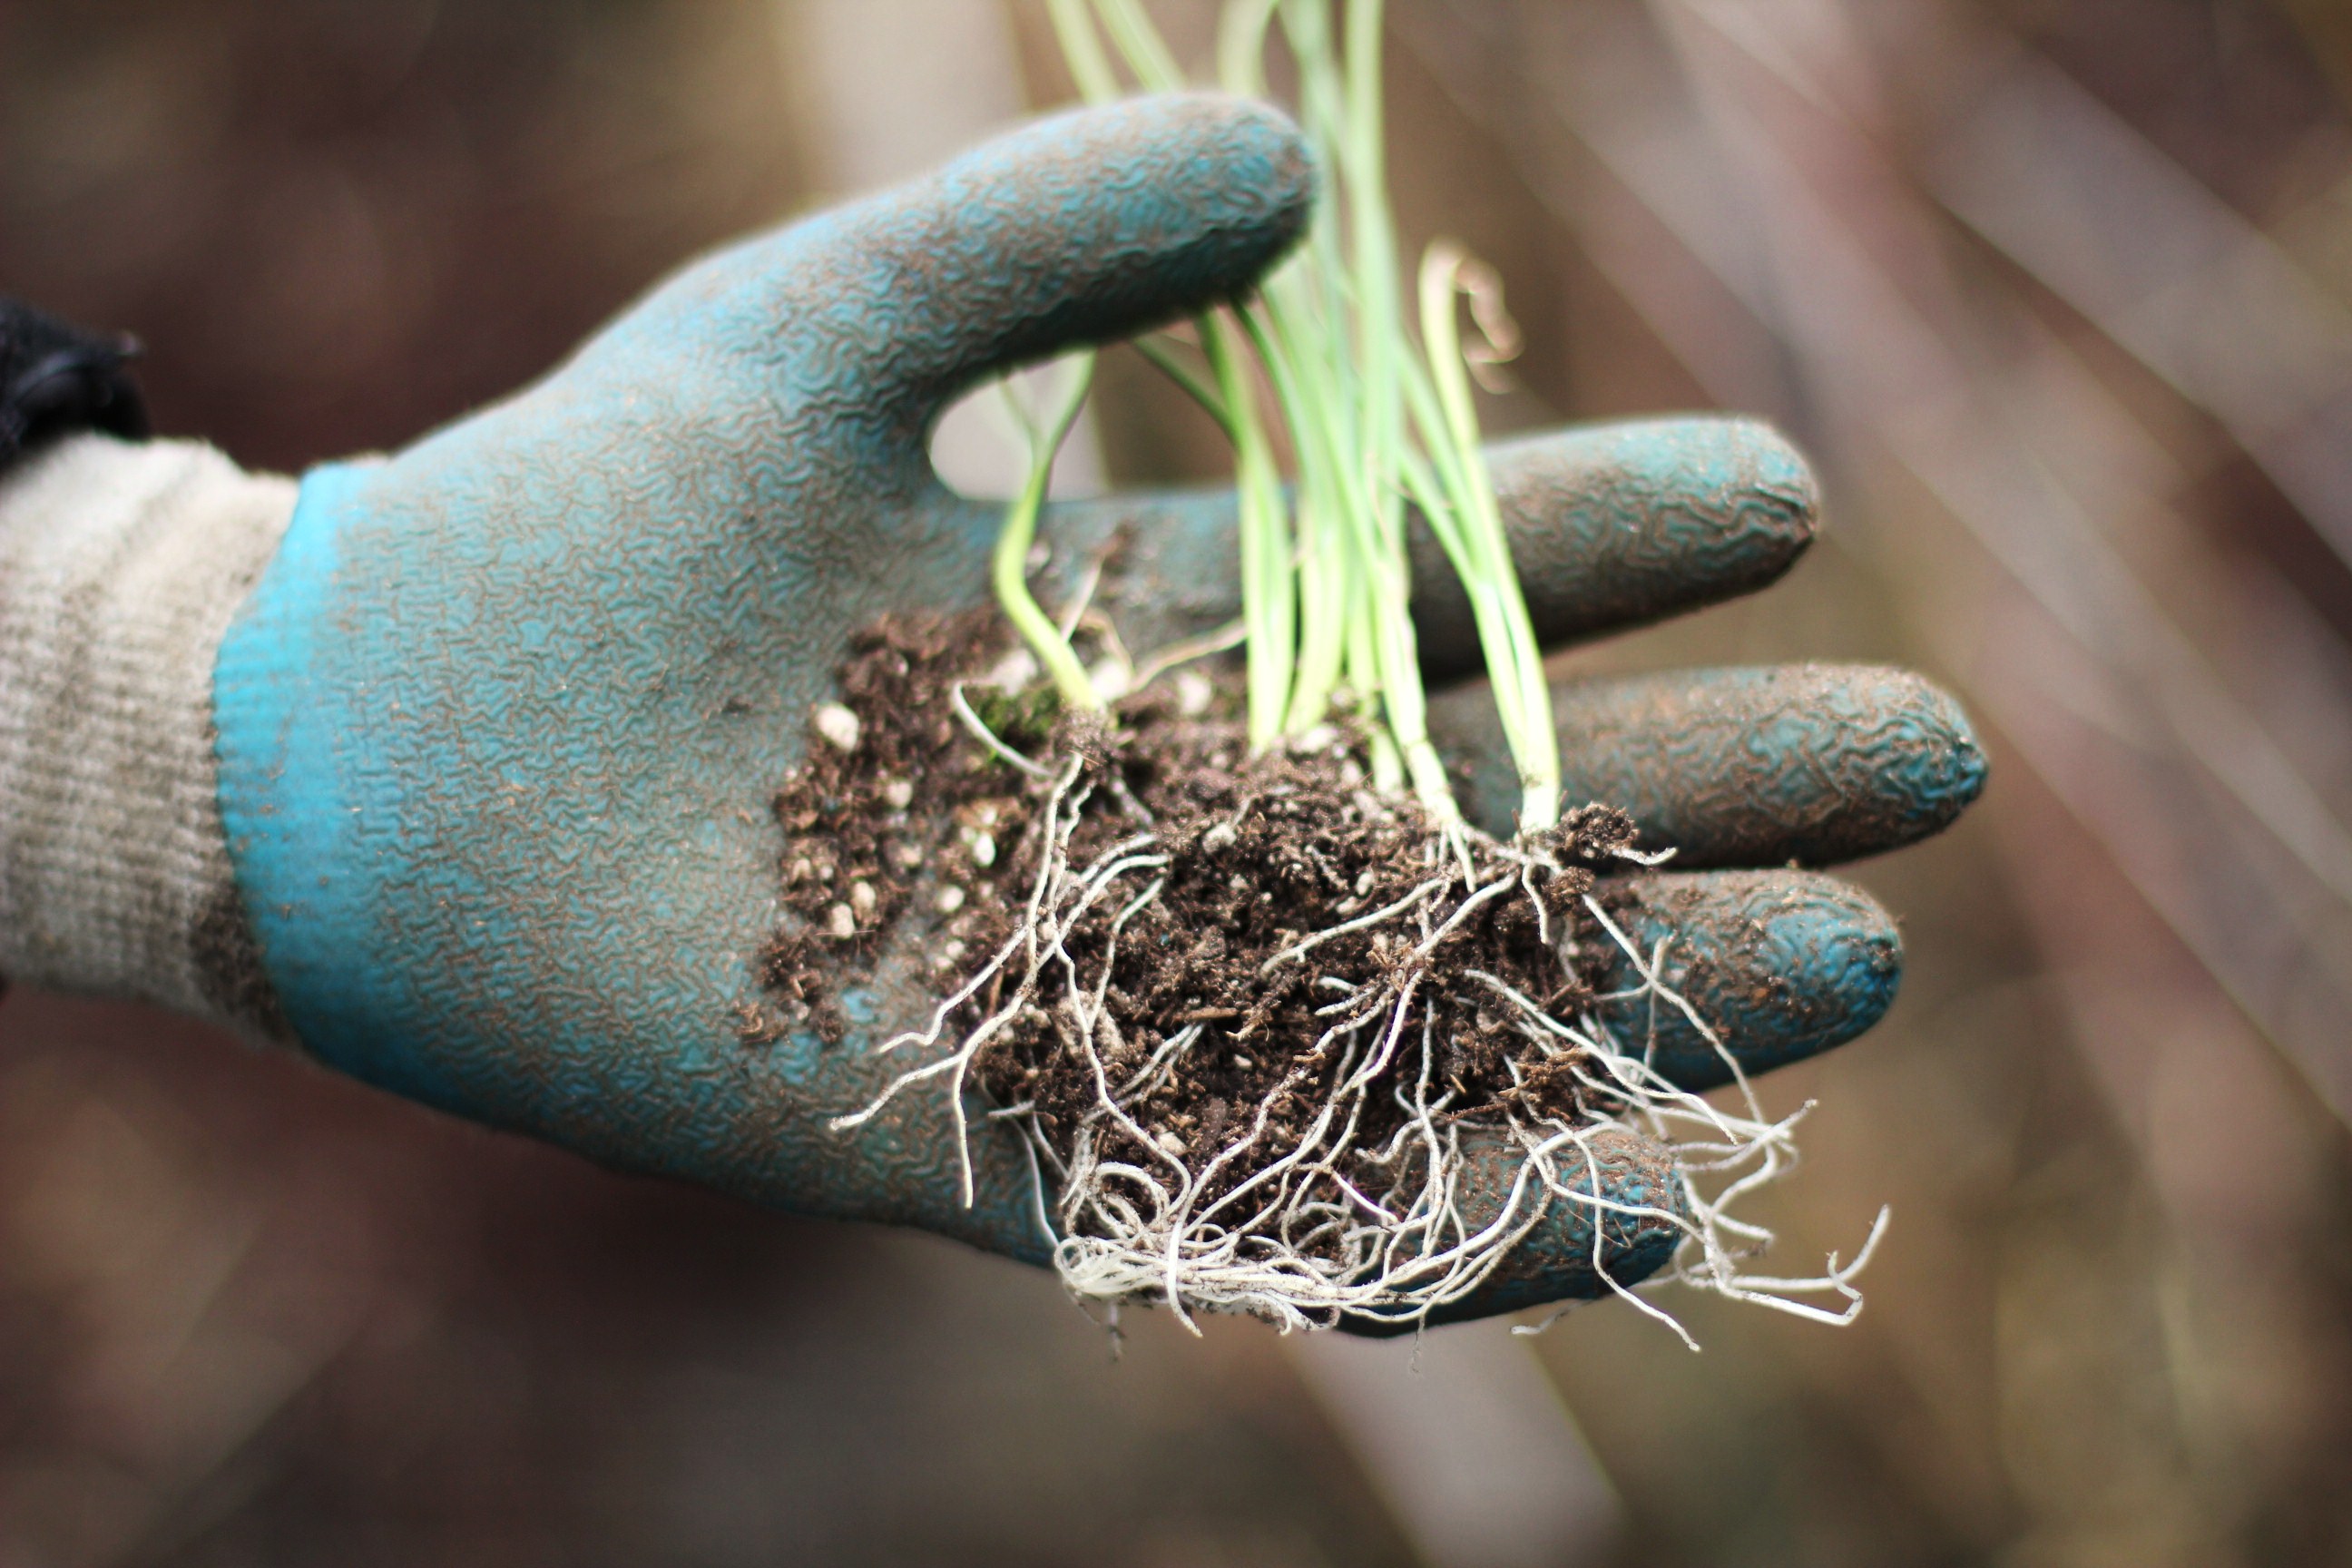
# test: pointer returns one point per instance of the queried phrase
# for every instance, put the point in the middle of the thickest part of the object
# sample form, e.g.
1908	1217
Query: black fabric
56	378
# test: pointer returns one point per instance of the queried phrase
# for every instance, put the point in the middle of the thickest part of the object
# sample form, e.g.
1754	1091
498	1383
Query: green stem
1141	45
1081	50
1481	550
1189	380
1268	589
1241	45
1303	387
1010	566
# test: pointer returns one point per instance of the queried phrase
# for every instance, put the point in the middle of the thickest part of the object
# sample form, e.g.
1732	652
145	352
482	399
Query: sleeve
122	565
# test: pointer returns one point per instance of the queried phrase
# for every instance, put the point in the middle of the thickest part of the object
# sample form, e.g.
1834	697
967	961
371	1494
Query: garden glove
451	768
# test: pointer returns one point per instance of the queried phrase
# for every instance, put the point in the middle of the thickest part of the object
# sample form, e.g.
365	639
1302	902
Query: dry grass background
2059	292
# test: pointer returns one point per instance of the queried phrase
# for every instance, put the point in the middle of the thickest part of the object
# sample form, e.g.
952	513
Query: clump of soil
1250	987
1277	1042
902	797
1270	863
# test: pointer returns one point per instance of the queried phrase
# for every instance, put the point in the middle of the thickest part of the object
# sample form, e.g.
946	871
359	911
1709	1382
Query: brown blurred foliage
2055	290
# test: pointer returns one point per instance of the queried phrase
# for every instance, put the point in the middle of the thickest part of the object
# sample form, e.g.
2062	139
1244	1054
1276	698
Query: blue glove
498	727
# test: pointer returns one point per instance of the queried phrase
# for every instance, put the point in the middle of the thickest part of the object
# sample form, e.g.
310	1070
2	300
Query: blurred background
2059	295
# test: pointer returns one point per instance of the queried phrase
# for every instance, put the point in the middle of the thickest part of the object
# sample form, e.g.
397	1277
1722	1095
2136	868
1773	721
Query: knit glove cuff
120	567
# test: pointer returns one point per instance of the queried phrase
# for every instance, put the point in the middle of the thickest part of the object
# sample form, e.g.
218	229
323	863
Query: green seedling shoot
1286	1201
1009	570
1379	424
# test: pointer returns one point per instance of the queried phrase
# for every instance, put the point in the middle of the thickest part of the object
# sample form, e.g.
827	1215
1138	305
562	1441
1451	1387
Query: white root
1288	1228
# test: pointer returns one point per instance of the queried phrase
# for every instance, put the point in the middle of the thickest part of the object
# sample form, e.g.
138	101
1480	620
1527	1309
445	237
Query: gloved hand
498	726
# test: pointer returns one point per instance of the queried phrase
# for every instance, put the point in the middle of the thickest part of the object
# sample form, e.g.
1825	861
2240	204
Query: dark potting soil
919	821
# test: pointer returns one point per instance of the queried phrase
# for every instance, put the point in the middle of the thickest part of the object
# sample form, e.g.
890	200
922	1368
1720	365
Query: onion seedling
1374	419
1274	1041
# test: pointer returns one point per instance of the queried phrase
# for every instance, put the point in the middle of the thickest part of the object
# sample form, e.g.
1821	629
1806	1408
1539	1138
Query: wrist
120	567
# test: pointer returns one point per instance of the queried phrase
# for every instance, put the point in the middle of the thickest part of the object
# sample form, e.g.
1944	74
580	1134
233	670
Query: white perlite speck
837	725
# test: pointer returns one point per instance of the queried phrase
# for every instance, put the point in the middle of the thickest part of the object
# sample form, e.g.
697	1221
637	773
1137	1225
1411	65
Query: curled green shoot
1457	494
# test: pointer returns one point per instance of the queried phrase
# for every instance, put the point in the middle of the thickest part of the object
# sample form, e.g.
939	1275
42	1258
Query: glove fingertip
1782	965
1084	228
